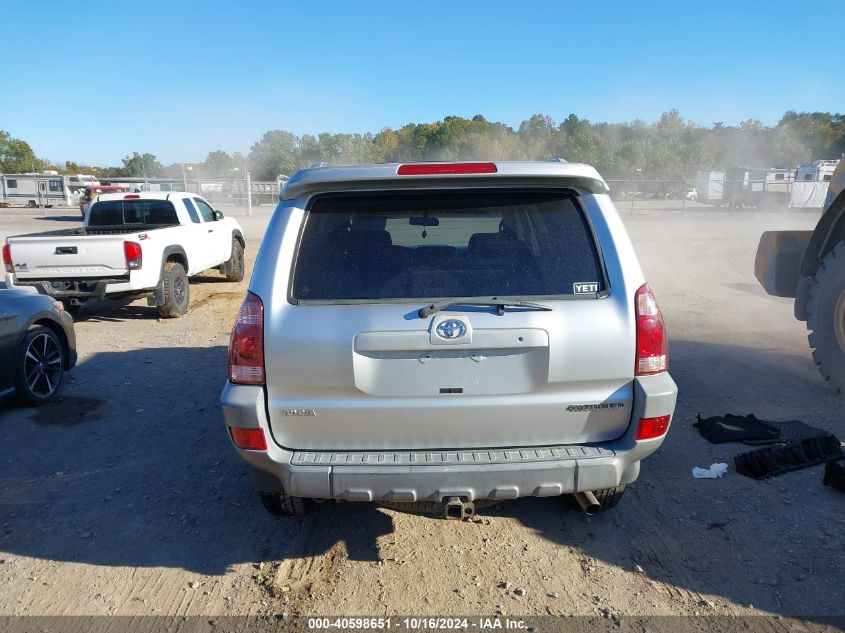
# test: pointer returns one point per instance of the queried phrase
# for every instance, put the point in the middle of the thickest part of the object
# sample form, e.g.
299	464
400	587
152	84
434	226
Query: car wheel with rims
40	366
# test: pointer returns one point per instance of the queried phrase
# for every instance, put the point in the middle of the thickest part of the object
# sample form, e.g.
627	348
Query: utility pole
248	193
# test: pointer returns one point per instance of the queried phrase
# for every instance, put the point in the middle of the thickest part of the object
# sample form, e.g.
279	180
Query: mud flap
777	265
776	460
834	475
155	297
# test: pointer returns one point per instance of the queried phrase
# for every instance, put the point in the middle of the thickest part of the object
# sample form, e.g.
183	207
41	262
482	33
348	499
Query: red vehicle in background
91	193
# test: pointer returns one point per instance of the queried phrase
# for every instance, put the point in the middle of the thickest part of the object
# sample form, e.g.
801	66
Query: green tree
219	164
145	165
276	153
16	156
822	133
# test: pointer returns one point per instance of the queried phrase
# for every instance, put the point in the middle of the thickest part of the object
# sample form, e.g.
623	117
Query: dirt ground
125	497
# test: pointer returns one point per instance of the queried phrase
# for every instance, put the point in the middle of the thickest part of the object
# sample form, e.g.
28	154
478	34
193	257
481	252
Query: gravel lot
125	497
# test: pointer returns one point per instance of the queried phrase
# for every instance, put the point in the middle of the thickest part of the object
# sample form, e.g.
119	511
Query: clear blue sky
95	81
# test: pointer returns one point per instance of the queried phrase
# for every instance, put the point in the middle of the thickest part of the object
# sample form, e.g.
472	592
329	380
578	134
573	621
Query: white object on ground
714	472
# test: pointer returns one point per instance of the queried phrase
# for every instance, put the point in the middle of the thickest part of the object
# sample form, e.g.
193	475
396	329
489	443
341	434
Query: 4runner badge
300	412
585	288
596	407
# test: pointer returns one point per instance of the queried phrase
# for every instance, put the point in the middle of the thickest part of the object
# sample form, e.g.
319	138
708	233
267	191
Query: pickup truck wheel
39	366
72	308
826	318
281	504
235	265
174	290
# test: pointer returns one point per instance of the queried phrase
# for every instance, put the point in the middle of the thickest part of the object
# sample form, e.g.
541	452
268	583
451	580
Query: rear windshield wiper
493	301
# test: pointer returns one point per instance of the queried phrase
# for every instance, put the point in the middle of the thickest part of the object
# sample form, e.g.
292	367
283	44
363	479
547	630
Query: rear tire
72	308
281	504
39	366
609	497
235	265
826	318
175	291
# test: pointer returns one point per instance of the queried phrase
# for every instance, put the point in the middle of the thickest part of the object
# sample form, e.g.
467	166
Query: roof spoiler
557	173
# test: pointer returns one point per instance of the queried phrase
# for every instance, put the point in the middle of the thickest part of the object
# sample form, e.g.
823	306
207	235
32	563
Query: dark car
37	346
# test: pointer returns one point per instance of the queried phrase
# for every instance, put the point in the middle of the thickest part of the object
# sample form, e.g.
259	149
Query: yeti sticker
585	288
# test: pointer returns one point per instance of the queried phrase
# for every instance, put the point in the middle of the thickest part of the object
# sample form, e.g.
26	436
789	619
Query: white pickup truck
131	245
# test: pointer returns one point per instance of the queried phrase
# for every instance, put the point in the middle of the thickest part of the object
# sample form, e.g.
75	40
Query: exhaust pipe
456	508
588	502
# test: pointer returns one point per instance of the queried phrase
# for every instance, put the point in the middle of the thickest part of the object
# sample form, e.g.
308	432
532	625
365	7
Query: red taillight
132	253
252	439
650	428
427	169
132	195
7	258
246	347
652	339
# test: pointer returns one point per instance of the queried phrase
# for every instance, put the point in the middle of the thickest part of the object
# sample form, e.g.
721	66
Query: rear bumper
432	475
66	289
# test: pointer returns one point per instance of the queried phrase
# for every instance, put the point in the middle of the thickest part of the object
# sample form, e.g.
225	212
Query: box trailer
710	186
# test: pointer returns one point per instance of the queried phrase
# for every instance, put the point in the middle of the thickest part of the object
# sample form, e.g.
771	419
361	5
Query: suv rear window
131	212
445	244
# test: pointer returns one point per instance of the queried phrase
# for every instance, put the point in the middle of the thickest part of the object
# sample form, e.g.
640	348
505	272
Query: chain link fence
765	190
733	189
239	195
233	196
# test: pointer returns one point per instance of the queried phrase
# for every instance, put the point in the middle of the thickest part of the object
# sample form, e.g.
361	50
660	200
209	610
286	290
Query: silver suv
445	333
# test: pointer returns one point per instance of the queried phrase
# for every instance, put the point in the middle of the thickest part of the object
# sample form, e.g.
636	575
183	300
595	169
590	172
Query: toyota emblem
451	329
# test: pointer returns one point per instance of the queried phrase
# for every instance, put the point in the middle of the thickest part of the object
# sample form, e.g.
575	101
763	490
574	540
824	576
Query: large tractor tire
826	318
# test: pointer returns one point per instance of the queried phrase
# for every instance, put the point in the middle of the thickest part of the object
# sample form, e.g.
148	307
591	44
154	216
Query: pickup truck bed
80	253
100	230
130	245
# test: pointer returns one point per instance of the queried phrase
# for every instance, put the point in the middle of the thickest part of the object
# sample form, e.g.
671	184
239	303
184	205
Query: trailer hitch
454	508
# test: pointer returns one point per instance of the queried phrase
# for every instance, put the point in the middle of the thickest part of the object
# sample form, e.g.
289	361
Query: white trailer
77	182
816	171
710	186
810	189
34	190
778	180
